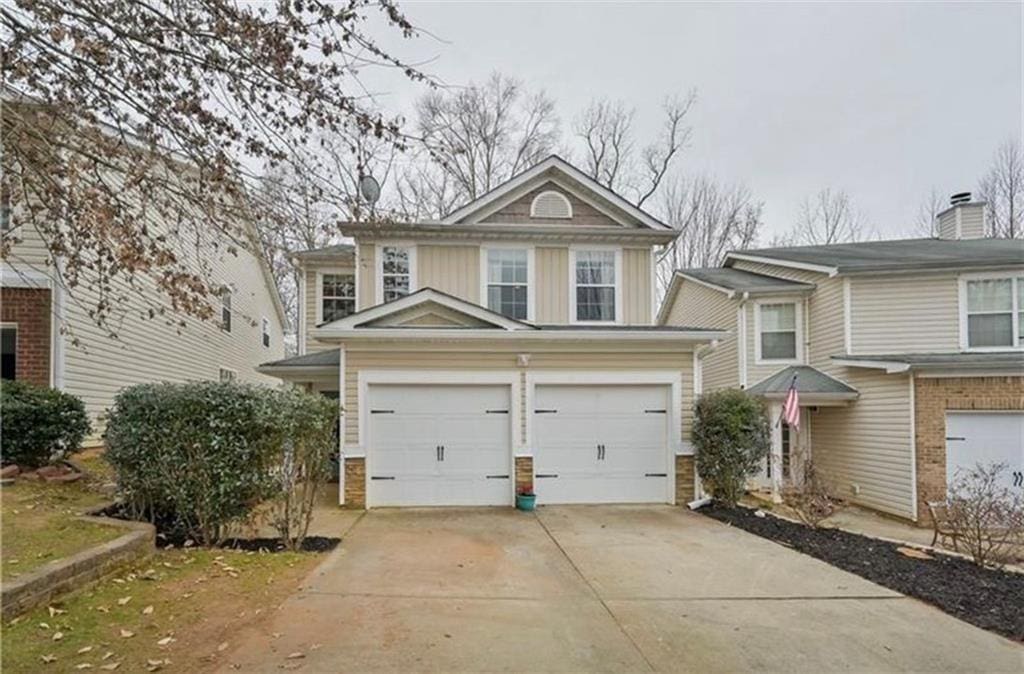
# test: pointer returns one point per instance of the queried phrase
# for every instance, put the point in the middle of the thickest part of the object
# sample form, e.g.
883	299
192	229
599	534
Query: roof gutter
697	336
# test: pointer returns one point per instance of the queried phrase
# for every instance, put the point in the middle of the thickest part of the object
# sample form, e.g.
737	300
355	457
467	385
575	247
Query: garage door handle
655	411
655	474
382	477
497	411
497	477
382	411
545	411
955	438
540	475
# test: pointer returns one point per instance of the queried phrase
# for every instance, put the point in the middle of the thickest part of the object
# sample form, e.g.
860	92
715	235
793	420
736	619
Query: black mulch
168	536
988	598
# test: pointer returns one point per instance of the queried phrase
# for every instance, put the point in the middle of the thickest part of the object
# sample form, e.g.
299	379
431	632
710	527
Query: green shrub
309	422
731	435
194	457
38	424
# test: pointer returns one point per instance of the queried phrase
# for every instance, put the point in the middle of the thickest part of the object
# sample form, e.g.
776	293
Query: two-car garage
455	443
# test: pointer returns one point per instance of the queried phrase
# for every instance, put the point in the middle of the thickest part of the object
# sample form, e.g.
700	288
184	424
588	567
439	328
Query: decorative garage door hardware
655	474
655	411
382	411
1018	478
382	477
545	411
497	477
600	452
440	452
540	475
956	438
497	411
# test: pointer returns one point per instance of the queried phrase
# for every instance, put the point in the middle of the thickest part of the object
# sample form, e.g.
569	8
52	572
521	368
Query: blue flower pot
526	502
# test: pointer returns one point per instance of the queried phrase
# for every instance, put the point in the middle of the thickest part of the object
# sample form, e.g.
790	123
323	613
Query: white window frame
531	284
565	199
378	273
798	327
319	292
1016	307
573	250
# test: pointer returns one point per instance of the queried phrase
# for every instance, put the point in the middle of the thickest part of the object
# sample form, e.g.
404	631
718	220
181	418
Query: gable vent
550	204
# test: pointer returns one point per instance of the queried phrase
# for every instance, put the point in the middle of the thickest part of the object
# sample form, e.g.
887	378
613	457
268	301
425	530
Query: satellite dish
369	189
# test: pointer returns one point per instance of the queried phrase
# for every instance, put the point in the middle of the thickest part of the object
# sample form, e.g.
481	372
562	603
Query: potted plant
526	499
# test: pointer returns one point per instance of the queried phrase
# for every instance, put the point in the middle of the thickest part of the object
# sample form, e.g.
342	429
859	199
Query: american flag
791	408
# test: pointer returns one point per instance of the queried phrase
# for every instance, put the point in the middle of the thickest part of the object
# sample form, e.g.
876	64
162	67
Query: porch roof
309	362
812	384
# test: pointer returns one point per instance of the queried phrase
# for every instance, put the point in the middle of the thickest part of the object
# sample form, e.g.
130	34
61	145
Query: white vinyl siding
904	314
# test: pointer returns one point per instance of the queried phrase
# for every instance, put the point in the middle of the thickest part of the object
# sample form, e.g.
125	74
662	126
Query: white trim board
806	266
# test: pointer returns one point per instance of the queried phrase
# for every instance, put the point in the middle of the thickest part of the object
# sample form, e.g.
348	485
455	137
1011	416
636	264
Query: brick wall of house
30	309
524	473
355	482
684	479
933	397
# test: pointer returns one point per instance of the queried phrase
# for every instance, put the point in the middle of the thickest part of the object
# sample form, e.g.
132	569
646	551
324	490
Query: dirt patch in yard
988	598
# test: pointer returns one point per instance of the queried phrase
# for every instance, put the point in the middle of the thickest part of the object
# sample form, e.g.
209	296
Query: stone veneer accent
684	479
355	482
30	309
524	472
933	397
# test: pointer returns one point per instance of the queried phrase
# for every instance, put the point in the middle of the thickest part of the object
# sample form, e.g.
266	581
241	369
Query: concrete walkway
596	588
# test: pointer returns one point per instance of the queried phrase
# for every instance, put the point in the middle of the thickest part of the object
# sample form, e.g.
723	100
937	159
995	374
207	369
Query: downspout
698	388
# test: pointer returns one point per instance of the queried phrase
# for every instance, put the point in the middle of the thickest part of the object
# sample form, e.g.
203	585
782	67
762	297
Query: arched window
550	204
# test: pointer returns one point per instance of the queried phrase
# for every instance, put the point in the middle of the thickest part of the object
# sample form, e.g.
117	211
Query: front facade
511	345
50	339
907	356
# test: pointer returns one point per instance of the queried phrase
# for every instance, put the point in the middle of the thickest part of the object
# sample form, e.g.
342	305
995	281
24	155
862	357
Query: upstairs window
995	313
595	280
551	204
265	332
225	310
396	272
777	331
507	282
337	296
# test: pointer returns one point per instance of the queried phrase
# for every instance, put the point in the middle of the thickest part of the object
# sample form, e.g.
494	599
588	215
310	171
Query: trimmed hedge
39	424
731	436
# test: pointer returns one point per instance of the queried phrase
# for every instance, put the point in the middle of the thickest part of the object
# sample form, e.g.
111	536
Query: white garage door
601	444
986	437
439	445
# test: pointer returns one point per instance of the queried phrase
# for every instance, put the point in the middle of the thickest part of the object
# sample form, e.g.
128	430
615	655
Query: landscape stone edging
70	573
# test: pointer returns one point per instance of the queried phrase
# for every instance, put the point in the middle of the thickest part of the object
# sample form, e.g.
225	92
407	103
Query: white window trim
799	328
1015	308
573	250
565	200
319	291
531	278
378	269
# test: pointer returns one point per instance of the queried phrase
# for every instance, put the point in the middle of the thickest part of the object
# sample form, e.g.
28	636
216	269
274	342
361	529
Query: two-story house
511	343
907	355
50	337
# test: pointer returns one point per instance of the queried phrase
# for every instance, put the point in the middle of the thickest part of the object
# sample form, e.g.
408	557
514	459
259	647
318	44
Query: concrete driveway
596	588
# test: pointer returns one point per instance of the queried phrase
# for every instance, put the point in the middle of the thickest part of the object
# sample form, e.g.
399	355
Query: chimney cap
960	198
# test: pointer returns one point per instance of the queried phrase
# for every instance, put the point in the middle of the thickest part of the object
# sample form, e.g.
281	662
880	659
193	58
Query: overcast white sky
884	101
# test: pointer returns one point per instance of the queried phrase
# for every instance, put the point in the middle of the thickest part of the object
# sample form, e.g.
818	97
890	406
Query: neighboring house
49	338
510	344
907	355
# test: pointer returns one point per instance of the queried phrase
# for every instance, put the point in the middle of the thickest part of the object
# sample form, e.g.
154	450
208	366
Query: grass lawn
180	609
39	523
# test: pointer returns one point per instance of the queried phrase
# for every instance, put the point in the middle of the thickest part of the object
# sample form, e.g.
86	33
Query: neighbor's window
507	274
778	331
338	296
227	375
5	208
225	311
265	331
993	307
396	275
9	352
595	285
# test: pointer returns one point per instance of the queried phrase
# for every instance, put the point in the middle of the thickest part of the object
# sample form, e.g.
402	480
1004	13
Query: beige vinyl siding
915	314
30	253
497	357
451	269
698	306
868	443
552	293
366	285
636	286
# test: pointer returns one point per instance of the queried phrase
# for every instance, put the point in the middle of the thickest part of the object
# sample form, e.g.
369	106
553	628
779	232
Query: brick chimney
964	219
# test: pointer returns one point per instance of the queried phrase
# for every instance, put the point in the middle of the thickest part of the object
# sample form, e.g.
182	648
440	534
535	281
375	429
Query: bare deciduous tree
712	219
128	126
926	223
610	157
1003	188
827	217
987	515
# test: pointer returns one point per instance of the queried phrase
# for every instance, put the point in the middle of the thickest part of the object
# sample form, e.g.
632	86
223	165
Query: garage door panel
985	438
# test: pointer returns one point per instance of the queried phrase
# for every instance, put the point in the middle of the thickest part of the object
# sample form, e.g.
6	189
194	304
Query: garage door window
994	312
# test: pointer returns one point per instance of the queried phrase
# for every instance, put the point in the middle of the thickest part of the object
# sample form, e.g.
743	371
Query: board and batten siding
499	357
636	286
451	269
702	307
864	449
904	314
552	292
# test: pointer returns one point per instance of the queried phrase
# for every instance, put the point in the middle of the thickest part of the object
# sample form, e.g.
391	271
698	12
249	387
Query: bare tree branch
1003	188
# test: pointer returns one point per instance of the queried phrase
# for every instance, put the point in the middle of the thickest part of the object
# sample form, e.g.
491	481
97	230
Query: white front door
601	443
439	445
986	438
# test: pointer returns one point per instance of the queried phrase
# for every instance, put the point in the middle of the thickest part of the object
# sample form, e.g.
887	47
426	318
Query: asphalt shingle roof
808	380
744	281
317	359
902	254
340	249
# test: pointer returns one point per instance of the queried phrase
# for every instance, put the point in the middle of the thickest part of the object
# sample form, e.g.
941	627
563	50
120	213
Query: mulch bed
988	598
167	537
